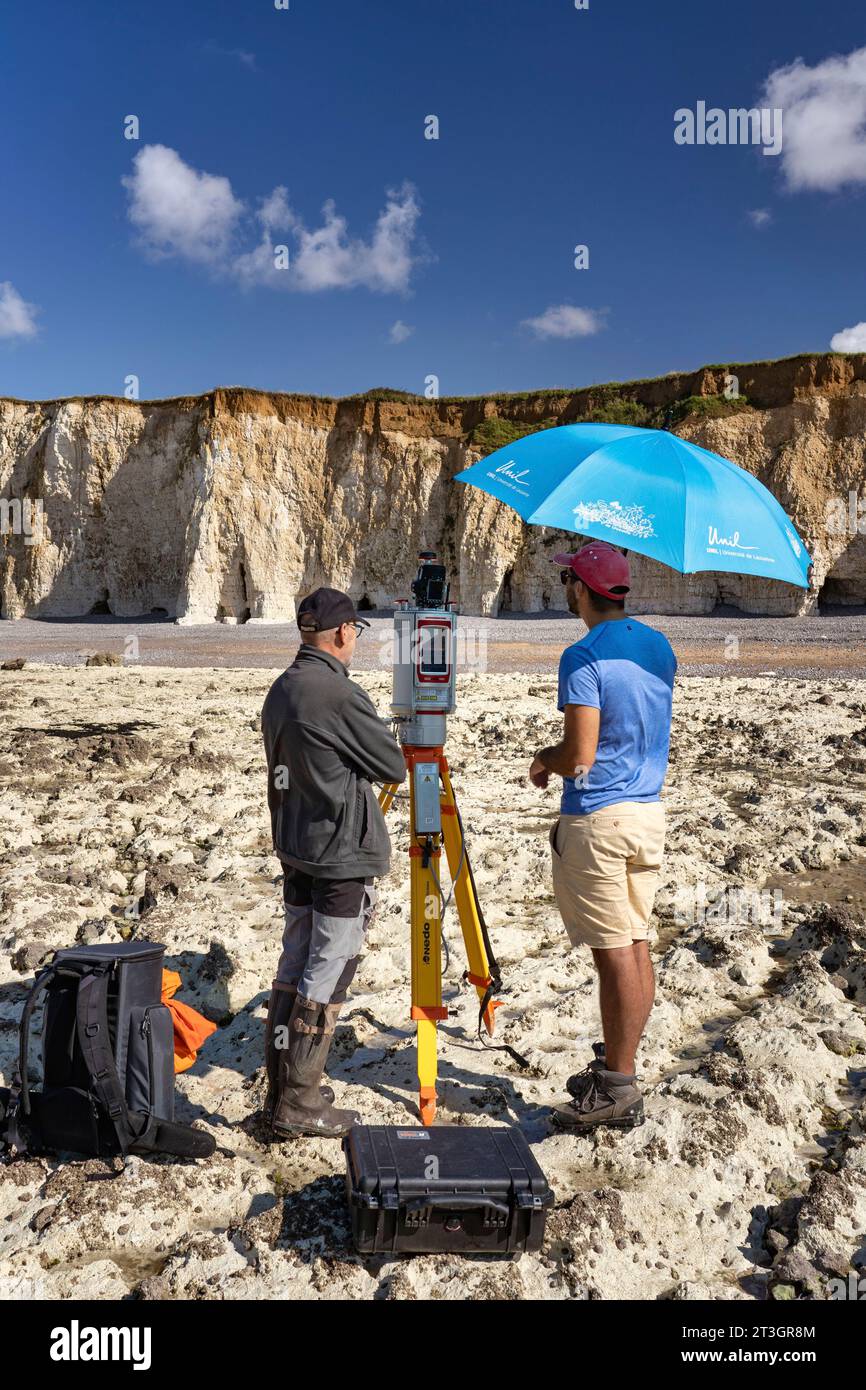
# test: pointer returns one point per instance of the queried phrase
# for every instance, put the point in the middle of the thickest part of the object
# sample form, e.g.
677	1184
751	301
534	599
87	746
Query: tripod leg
464	895
424	856
386	796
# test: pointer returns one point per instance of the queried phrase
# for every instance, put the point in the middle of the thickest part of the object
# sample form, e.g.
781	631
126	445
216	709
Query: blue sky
455	257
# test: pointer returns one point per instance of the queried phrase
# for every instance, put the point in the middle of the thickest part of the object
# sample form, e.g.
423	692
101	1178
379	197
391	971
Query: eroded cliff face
233	505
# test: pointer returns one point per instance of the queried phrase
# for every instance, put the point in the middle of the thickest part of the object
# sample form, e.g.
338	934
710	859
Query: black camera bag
107	1059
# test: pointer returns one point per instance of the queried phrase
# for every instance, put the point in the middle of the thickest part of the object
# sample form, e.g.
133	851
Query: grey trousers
326	922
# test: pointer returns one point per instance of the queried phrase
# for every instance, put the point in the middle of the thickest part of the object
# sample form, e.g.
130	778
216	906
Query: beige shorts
606	871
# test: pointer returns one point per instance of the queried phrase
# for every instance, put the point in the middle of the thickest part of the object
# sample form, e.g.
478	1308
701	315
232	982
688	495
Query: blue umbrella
649	491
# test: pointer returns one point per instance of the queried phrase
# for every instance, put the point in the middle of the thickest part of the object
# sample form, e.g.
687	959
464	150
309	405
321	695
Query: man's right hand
539	775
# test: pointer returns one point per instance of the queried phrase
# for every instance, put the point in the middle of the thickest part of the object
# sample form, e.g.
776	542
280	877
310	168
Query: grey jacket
325	744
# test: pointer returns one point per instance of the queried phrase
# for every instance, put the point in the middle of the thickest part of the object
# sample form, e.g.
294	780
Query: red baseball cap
602	567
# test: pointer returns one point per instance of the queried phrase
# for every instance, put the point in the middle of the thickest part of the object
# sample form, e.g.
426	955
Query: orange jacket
190	1028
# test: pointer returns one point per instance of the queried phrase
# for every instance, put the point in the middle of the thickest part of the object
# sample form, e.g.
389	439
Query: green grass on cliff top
386	393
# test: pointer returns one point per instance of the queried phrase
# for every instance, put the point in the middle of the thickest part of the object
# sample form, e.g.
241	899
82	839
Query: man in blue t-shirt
615	693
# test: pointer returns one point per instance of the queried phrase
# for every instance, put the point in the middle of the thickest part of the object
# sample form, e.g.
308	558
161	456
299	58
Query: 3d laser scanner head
425	657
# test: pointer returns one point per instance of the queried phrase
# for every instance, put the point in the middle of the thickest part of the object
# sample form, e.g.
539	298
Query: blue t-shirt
626	670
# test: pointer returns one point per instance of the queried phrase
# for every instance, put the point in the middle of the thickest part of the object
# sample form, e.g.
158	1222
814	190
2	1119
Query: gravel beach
721	645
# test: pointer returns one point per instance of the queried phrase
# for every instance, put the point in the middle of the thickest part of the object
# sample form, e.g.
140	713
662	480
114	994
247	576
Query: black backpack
107	1059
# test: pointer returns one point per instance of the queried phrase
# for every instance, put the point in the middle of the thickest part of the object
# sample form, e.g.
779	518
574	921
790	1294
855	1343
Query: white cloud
242	54
760	217
565	321
824	123
850	339
275	210
400	331
248	60
17	317
196	216
327	259
259	266
179	211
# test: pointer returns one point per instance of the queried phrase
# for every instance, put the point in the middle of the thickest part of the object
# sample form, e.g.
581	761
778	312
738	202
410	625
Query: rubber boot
300	1108
280	1007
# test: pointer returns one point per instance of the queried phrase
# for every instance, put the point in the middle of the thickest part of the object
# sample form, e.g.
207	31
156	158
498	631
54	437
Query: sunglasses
565	575
359	628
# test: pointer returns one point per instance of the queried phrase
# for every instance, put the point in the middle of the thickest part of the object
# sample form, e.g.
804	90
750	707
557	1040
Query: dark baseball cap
326	608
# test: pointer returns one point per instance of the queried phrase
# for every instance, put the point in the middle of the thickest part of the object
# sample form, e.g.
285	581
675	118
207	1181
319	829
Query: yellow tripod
430	790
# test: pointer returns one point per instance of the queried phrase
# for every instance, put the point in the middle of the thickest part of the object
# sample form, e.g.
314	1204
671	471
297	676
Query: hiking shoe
606	1098
574	1085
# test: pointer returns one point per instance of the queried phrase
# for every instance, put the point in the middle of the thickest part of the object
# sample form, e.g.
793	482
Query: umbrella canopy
649	491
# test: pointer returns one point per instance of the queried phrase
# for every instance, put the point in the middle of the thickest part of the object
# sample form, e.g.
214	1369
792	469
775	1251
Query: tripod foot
427	1107
490	1015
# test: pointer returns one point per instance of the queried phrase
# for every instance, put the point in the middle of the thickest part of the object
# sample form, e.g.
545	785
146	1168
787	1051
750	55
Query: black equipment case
453	1187
107	1075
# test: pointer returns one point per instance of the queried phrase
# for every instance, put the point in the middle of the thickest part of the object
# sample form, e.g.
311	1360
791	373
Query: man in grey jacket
325	746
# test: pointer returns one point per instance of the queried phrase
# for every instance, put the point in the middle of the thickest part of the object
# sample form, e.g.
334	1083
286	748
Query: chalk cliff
234	504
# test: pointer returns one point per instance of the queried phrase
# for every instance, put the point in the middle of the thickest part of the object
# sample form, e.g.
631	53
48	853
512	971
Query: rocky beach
133	805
